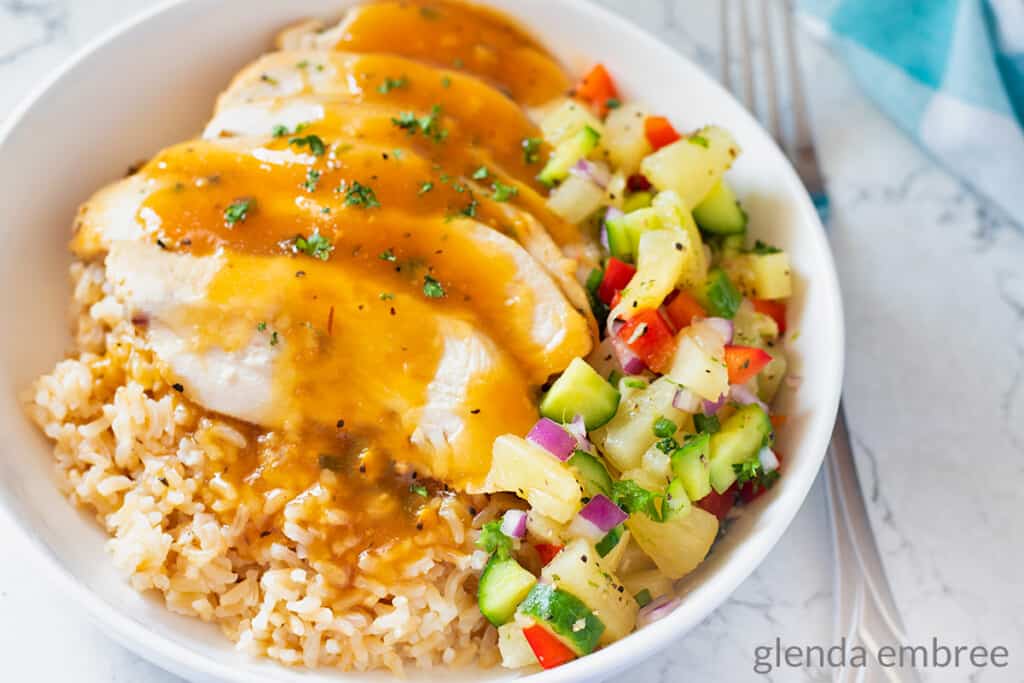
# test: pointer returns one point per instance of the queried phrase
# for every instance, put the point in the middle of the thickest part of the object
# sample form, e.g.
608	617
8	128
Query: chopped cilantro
419	489
426	186
387	255
764	248
314	142
667	445
279	130
699	140
470	209
613	103
494	541
390	84
706	423
753	471
503	192
361	195
312	178
432	288
237	211
632	497
531	150
386	296
316	245
480	173
429	124
664	427
261	326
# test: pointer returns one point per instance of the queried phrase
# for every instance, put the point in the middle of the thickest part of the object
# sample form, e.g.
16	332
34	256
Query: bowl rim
173	656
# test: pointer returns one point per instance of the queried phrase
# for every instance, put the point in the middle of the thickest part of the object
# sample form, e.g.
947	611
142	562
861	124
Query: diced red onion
658	608
744	396
686	401
594	172
769	461
629	361
550	436
514	523
604	237
603	513
722	326
614	325
712	407
578	429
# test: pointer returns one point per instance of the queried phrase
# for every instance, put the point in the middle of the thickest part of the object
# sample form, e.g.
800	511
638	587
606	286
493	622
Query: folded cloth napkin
949	72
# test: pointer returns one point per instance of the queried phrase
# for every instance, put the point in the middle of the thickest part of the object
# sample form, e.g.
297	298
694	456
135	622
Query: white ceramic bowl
151	82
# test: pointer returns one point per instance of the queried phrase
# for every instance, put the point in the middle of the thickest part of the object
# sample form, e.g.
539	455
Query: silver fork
865	610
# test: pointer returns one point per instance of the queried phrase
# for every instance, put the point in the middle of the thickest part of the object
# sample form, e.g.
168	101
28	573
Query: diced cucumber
610	541
576	199
619	242
580	391
661	257
624	138
613	555
631	432
698	368
637	200
677	502
762	276
770	378
565	120
503	585
567	153
592	473
690	466
679	544
741	437
529	471
693	165
718	295
720	212
577	570
624	232
515	649
565	615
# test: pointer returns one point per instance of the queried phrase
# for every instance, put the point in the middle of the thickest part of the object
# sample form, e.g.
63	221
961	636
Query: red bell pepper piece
717	503
616	299
660	132
617	275
649	337
681	308
547	551
744	362
596	88
776	310
547	648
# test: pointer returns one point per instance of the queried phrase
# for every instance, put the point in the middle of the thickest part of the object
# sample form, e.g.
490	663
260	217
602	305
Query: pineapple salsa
644	446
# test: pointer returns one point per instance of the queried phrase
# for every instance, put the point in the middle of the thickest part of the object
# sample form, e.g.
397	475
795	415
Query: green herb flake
664	427
494	541
418	489
360	195
643	598
470	209
426	186
706	423
429	13
432	288
267	78
481	173
261	326
502	192
390	84
329	461
274	339
386	296
753	471
632	497
446	82
698	140
764	248
312	178
388	255
531	150
429	124
316	245
303	64
279	130
634	383
613	103
314	142
237	212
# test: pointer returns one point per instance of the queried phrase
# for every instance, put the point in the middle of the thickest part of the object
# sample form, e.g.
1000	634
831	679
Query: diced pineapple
762	276
578	570
545	529
535	475
679	544
515	650
695	267
699	368
660	261
751	328
624	138
625	438
770	378
651	580
693	165
566	119
615	193
615	555
576	199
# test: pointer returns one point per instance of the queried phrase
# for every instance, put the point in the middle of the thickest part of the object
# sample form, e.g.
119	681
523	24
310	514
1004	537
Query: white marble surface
933	281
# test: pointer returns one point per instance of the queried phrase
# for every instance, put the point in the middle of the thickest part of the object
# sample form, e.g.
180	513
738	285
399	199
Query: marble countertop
933	284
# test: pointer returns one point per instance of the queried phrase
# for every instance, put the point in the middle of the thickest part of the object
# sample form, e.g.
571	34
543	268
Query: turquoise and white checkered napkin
950	73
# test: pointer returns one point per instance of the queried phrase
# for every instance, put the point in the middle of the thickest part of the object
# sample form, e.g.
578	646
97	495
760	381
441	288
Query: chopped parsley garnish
429	124
386	296
634	383
706	423
445	81
426	186
280	130
494	541
503	192
360	195
237	211
397	153
312	178
613	103
390	84
470	209
261	326
480	173
753	471
764	248
274	339
387	255
316	245
419	489
432	288
699	140
531	150
314	142
664	427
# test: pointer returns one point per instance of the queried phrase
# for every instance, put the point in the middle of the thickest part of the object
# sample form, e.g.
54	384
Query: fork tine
771	81
801	129
726	57
747	61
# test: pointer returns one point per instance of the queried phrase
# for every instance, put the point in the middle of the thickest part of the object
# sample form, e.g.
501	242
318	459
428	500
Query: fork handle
865	610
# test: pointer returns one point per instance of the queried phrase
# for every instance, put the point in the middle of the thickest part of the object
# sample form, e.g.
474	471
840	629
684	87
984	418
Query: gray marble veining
933	284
